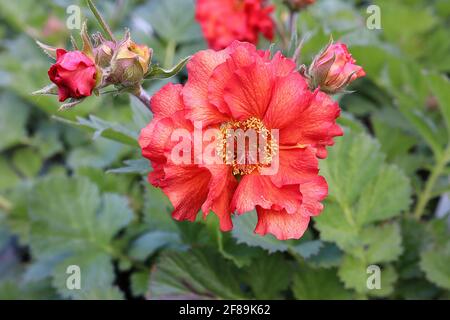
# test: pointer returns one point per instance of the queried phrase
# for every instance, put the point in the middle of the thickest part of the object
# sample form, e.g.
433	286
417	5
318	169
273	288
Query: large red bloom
224	21
243	88
74	73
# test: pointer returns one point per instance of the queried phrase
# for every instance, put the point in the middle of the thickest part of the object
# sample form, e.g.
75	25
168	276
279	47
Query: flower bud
334	69
130	63
298	4
74	73
103	50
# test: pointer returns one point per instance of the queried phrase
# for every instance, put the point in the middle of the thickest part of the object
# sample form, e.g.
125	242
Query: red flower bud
74	74
334	69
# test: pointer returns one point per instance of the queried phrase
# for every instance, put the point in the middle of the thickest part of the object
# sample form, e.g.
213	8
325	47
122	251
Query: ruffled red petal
290	95
195	91
313	193
167	101
221	189
187	189
295	166
281	224
315	125
257	190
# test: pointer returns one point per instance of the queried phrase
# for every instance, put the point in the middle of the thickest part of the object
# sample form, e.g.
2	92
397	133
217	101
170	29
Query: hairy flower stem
170	54
108	33
281	30
293	17
427	193
143	96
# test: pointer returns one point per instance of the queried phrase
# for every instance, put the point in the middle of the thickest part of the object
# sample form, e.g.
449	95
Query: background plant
387	175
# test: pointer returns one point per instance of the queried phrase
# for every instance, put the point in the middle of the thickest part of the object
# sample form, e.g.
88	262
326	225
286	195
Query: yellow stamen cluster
266	148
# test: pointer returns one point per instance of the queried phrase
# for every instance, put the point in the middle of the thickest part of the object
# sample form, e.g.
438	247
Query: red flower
242	88
224	21
334	69
74	74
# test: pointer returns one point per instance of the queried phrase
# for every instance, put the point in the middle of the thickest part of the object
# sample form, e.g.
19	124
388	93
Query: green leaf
358	180
318	284
141	113
196	274
414	237
424	126
395	201
243	233
382	243
9	176
354	273
334	227
148	243
138	166
172	20
440	86
157	208
328	256
102	128
435	255
96	275
72	220
435	263
100	153
13	118
27	162
352	163
240	254
47	139
13	289
156	72
139	283
394	141
268	276
308	249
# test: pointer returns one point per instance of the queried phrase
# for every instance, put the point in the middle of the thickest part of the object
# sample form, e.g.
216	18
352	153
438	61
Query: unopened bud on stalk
333	69
129	63
103	51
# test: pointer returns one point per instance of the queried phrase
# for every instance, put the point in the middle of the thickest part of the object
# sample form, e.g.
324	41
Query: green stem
170	54
292	24
281	30
143	96
427	193
109	35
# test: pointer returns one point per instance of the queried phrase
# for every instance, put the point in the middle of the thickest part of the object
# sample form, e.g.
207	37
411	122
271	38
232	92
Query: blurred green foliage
73	187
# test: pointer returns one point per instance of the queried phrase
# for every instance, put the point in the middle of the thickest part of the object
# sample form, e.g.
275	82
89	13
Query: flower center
247	146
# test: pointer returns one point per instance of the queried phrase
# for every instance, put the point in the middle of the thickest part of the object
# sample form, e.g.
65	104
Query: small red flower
243	88
74	73
334	69
224	21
